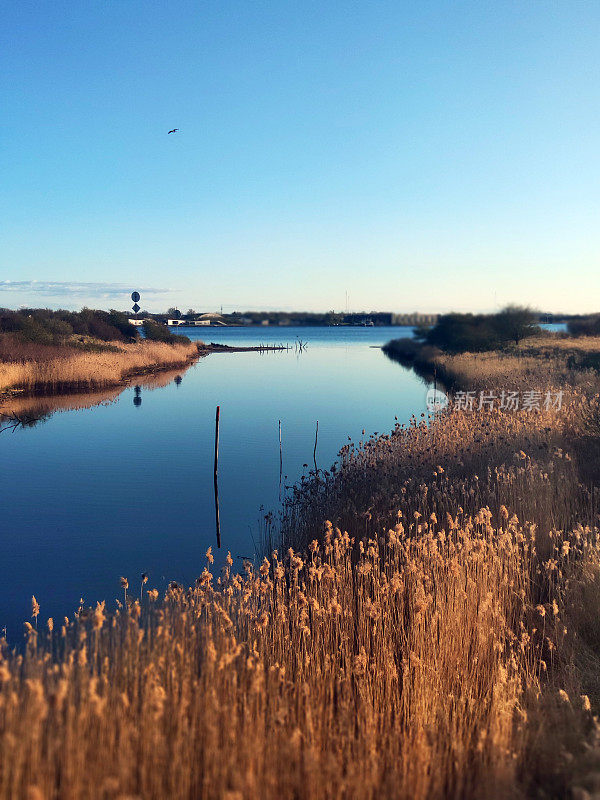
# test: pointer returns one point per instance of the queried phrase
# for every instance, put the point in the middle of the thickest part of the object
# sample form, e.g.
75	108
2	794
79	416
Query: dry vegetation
46	369
29	409
537	362
439	638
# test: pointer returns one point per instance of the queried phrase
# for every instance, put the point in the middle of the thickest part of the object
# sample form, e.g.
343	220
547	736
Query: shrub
586	326
43	326
460	333
160	333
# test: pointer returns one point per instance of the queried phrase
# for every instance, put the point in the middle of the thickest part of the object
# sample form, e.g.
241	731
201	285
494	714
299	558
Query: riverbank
40	369
91	366
541	361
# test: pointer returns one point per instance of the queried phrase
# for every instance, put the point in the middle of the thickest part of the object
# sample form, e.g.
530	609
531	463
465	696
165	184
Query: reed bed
469	458
75	370
408	667
536	363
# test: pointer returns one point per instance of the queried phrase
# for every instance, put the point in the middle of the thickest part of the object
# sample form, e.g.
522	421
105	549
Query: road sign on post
135	296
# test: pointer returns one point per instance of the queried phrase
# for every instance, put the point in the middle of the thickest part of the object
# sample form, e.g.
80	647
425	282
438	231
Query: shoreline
535	363
87	381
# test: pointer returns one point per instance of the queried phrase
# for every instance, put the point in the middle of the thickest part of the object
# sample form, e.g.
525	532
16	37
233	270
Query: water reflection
105	490
32	410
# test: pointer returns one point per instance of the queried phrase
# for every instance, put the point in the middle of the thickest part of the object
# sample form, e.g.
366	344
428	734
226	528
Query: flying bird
175	130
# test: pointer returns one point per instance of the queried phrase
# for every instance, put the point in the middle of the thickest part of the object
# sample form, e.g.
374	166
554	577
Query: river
125	486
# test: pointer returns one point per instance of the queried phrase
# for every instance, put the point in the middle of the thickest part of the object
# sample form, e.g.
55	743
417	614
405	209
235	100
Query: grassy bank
549	360
86	366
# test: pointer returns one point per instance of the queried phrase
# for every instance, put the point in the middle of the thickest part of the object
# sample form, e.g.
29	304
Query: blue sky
422	155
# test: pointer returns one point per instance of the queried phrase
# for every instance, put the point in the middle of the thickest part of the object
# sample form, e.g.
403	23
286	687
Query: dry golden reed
417	664
81	371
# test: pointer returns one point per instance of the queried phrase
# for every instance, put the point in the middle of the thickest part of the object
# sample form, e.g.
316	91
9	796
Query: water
126	487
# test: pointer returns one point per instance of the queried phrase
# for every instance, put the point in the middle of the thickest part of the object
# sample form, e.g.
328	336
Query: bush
43	326
160	333
586	326
460	333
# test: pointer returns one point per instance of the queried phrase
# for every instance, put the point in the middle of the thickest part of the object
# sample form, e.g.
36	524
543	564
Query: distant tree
173	313
515	323
156	332
584	326
190	312
421	332
459	333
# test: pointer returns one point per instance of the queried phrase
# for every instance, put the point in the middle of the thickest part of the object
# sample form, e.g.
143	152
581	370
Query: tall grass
536	363
408	668
74	370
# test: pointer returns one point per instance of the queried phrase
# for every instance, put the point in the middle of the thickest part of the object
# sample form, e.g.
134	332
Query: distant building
264	322
175	322
211	319
201	322
137	322
414	319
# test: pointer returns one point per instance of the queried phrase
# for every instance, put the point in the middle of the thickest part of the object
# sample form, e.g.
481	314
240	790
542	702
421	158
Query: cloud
77	289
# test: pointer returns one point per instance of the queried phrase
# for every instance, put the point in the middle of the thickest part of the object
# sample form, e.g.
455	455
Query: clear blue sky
420	155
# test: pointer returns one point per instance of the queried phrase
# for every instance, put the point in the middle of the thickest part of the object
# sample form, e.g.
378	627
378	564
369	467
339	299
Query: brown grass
428	664
67	369
446	656
537	363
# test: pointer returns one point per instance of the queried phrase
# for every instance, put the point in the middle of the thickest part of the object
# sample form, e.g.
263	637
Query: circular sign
135	296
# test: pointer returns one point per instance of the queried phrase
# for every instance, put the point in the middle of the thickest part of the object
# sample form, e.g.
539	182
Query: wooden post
217	441
216	474
315	450
280	460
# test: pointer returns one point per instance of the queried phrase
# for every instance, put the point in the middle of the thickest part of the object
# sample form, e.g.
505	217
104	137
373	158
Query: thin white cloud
77	289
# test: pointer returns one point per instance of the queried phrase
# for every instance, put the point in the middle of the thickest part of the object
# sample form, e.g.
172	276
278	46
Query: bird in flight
175	130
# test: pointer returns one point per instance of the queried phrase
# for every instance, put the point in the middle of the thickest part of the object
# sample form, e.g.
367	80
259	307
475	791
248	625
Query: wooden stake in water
280	460
315	450
216	477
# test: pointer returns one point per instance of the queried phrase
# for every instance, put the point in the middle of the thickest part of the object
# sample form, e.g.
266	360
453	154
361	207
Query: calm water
127	486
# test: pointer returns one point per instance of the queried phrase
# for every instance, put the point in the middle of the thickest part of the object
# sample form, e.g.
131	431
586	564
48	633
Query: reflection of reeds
73	370
39	407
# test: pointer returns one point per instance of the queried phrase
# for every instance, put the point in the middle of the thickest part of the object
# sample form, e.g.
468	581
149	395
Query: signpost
135	296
